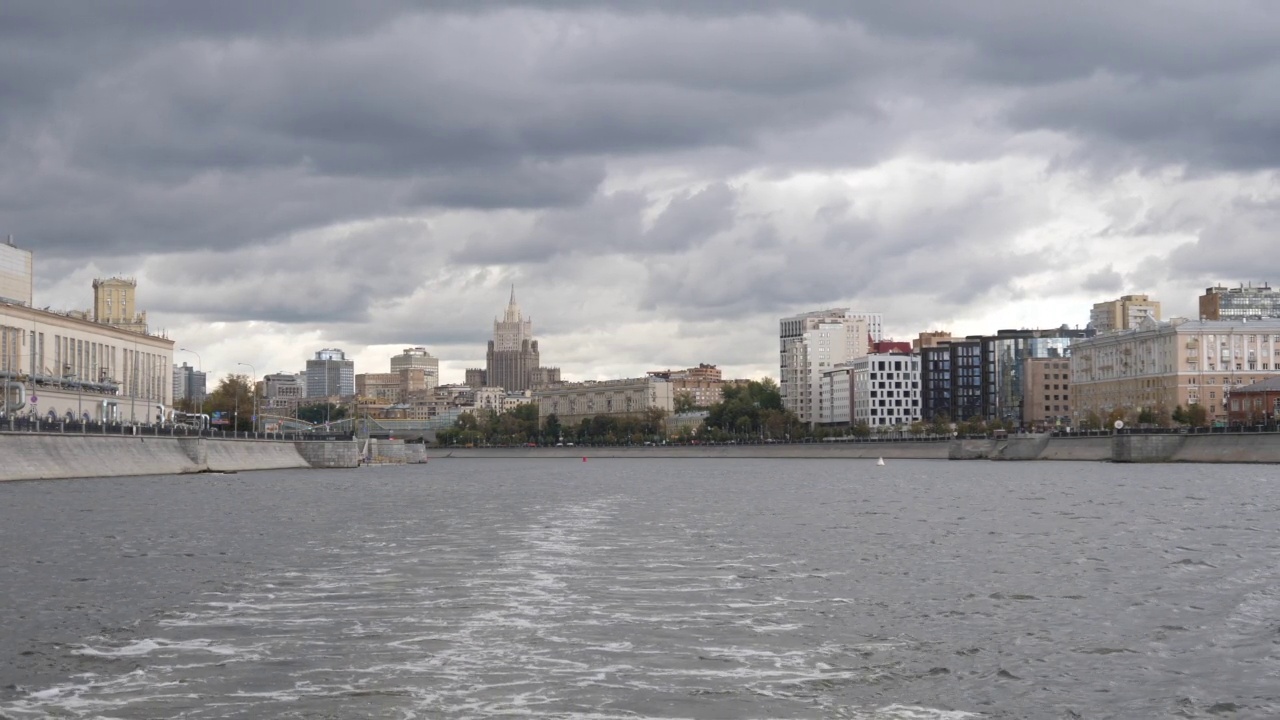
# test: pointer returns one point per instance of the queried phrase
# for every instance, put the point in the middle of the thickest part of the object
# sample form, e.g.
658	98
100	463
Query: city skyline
661	184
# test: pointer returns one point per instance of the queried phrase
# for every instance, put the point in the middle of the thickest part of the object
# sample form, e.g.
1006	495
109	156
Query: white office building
813	343
886	390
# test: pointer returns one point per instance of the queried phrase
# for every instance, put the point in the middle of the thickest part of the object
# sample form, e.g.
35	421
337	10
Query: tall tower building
113	304
330	374
1123	314
513	353
813	342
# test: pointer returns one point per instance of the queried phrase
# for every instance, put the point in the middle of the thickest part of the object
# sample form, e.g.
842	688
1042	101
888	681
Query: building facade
951	380
282	392
1124	313
813	343
475	378
1245	301
115	304
702	385
65	366
1256	403
330	374
573	402
16	275
189	387
886	390
1162	366
418	358
1004	357
513	353
1046	392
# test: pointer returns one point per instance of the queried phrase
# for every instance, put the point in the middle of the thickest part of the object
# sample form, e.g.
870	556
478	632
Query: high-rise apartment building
1124	313
418	358
331	374
951	379
1222	303
814	342
190	385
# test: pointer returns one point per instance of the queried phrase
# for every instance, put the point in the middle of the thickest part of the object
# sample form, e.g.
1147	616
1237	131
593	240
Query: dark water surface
647	588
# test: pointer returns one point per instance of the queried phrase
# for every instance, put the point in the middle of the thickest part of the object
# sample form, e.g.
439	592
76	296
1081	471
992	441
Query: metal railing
17	424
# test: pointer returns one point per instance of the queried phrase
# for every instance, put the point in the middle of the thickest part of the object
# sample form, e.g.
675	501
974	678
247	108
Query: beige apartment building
1160	366
393	387
704	383
1046	392
1124	313
571	403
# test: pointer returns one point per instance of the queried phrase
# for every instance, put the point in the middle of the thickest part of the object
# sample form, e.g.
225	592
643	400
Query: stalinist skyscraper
513	353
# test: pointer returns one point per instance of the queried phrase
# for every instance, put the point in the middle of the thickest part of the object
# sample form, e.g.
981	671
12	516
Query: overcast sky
661	181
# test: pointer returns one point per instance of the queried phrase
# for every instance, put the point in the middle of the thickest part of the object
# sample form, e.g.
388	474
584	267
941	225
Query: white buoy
880	461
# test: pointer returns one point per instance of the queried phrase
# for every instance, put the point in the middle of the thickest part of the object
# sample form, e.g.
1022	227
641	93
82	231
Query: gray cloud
369	169
1106	280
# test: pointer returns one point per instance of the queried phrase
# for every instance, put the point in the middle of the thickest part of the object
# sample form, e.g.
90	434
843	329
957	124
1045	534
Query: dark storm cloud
612	130
612	223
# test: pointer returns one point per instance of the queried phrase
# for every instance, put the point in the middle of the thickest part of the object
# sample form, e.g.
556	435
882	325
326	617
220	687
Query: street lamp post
190	385
254	389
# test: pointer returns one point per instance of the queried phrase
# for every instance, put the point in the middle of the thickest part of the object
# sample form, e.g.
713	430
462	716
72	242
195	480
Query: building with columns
573	402
66	366
1161	366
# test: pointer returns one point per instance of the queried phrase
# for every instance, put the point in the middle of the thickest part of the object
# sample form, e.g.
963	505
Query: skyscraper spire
513	310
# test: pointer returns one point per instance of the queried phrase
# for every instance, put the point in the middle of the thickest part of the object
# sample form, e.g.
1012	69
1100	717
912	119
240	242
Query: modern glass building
1222	303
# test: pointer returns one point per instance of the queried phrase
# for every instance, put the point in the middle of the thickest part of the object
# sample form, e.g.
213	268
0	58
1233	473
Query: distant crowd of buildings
835	368
1126	364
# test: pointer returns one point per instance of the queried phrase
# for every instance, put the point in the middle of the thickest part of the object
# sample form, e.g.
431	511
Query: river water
922	590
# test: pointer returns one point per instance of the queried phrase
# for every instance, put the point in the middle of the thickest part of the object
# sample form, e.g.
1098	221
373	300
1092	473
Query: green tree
234	398
552	430
684	402
940	425
1197	416
319	413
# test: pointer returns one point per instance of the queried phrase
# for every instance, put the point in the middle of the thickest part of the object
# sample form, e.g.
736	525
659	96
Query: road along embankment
38	456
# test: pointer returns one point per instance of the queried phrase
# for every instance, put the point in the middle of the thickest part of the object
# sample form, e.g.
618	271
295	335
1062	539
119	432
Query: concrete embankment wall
1076	448
37	456
33	456
1216	448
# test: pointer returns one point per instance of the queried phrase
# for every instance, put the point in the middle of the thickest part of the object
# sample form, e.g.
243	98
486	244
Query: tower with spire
513	353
